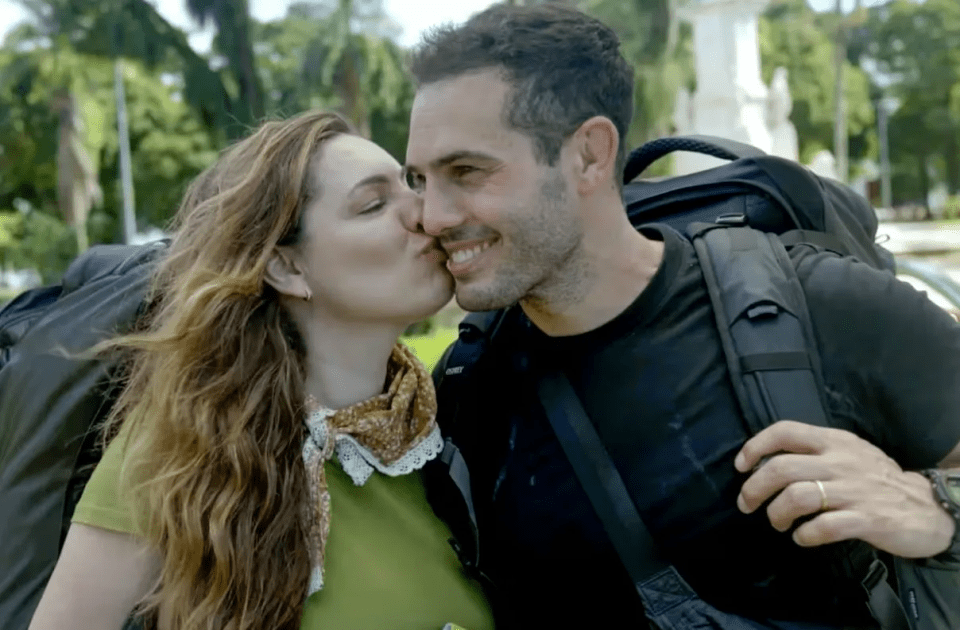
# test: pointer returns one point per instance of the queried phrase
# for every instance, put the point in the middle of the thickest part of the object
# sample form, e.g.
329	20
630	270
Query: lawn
429	348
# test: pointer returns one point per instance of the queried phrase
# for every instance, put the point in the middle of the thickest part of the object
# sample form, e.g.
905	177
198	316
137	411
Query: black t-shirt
654	382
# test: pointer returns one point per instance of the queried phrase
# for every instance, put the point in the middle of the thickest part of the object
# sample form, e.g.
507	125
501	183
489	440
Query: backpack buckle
875	575
732	219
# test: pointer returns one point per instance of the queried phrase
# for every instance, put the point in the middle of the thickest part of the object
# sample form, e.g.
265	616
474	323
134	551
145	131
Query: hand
866	495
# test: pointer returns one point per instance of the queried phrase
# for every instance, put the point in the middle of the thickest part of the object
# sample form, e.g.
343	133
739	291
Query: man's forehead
447	118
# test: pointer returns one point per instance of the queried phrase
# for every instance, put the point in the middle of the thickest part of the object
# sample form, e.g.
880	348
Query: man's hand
865	494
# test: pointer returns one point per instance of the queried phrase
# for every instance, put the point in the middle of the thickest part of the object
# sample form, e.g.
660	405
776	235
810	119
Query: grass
8	294
429	348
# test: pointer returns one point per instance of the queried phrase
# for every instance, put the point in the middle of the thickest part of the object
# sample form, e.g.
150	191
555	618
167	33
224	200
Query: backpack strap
772	355
449	475
600	479
764	325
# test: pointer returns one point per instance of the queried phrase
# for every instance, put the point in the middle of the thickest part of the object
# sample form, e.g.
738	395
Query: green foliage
169	143
951	210
792	36
660	50
316	58
917	47
430	347
36	240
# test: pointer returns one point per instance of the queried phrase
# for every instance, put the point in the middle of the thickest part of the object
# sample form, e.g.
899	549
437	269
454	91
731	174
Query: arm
849	486
896	357
952	460
99	579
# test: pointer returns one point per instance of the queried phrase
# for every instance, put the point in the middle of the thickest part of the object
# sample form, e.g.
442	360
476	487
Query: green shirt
388	563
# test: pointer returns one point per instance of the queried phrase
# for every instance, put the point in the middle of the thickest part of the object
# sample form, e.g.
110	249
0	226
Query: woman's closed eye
374	206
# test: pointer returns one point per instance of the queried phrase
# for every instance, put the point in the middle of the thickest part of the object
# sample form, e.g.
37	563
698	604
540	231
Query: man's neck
612	270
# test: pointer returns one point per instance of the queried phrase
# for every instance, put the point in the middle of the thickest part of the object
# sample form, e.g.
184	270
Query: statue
824	164
683	113
779	105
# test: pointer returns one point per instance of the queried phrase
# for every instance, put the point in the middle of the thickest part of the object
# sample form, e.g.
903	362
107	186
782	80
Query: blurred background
108	108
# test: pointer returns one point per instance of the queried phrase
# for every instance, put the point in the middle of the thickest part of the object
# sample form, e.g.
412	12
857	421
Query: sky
413	15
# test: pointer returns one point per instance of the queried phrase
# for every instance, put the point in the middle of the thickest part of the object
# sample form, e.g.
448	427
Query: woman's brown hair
213	395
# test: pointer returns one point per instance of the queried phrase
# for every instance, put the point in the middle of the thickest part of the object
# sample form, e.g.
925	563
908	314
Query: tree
916	47
796	38
234	43
170	145
339	56
660	50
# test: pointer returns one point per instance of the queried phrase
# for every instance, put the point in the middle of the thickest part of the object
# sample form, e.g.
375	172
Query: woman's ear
283	273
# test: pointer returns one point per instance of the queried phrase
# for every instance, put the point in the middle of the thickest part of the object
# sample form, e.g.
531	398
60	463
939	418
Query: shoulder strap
773	358
764	325
450	491
599	478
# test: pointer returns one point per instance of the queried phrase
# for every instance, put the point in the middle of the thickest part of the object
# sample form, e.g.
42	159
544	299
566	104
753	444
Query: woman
232	496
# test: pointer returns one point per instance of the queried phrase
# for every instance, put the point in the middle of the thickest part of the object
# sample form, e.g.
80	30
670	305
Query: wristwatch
946	489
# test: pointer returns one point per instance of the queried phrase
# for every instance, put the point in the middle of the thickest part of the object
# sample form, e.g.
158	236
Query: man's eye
462	170
415	181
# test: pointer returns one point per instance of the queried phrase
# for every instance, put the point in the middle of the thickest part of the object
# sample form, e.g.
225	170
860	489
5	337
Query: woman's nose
411	213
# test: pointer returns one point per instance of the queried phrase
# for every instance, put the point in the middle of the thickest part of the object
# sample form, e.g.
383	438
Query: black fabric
772	195
50	401
599	477
656	377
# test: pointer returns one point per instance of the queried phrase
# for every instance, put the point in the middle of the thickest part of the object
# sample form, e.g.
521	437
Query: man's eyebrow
461	155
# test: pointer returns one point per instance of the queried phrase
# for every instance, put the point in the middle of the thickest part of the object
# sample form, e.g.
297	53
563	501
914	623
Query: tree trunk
233	29
77	183
952	161
924	182
840	101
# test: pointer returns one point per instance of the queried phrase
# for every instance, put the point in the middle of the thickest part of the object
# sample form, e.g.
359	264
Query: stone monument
783	135
731	100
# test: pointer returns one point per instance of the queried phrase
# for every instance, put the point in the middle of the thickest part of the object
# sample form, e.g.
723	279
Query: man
516	145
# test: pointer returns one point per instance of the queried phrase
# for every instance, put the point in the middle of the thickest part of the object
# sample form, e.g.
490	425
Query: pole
126	171
886	194
840	113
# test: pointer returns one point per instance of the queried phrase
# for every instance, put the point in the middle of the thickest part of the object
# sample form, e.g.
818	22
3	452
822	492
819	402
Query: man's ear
596	142
284	274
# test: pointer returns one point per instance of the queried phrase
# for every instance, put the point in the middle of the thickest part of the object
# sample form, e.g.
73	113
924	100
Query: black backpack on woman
51	403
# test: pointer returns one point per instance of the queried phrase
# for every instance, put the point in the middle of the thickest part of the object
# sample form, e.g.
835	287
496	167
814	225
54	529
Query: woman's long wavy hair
213	394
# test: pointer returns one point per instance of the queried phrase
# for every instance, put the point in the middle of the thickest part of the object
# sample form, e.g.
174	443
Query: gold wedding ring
824	505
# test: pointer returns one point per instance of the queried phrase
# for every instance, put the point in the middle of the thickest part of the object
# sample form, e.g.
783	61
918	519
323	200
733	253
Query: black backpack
741	218
50	405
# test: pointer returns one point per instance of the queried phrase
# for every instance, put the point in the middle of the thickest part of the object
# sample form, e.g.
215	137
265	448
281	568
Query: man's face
510	225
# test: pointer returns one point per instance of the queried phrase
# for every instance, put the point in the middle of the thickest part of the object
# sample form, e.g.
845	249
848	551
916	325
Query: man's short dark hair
563	68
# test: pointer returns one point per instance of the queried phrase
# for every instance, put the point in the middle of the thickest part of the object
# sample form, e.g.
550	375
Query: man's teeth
463	255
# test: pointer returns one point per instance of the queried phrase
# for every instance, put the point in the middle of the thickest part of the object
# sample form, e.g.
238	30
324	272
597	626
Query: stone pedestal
731	100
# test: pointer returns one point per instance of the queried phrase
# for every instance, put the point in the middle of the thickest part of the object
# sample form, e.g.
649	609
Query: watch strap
938	482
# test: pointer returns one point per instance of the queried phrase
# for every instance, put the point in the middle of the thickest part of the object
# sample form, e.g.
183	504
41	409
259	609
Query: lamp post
886	106
126	171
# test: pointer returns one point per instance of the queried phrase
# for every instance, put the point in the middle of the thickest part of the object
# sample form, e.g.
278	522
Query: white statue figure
783	134
824	164
683	113
731	98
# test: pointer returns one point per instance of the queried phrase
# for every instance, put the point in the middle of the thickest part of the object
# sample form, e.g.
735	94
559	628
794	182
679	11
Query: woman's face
362	256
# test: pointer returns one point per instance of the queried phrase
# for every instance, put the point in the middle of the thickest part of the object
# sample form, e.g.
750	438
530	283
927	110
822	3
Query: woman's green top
388	563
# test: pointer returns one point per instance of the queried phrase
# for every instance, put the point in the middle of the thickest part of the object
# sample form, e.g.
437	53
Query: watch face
952	482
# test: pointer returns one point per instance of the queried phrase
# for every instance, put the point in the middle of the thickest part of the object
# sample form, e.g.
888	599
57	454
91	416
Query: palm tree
233	41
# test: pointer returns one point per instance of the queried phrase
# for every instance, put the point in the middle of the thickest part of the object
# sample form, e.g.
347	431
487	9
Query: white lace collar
358	462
